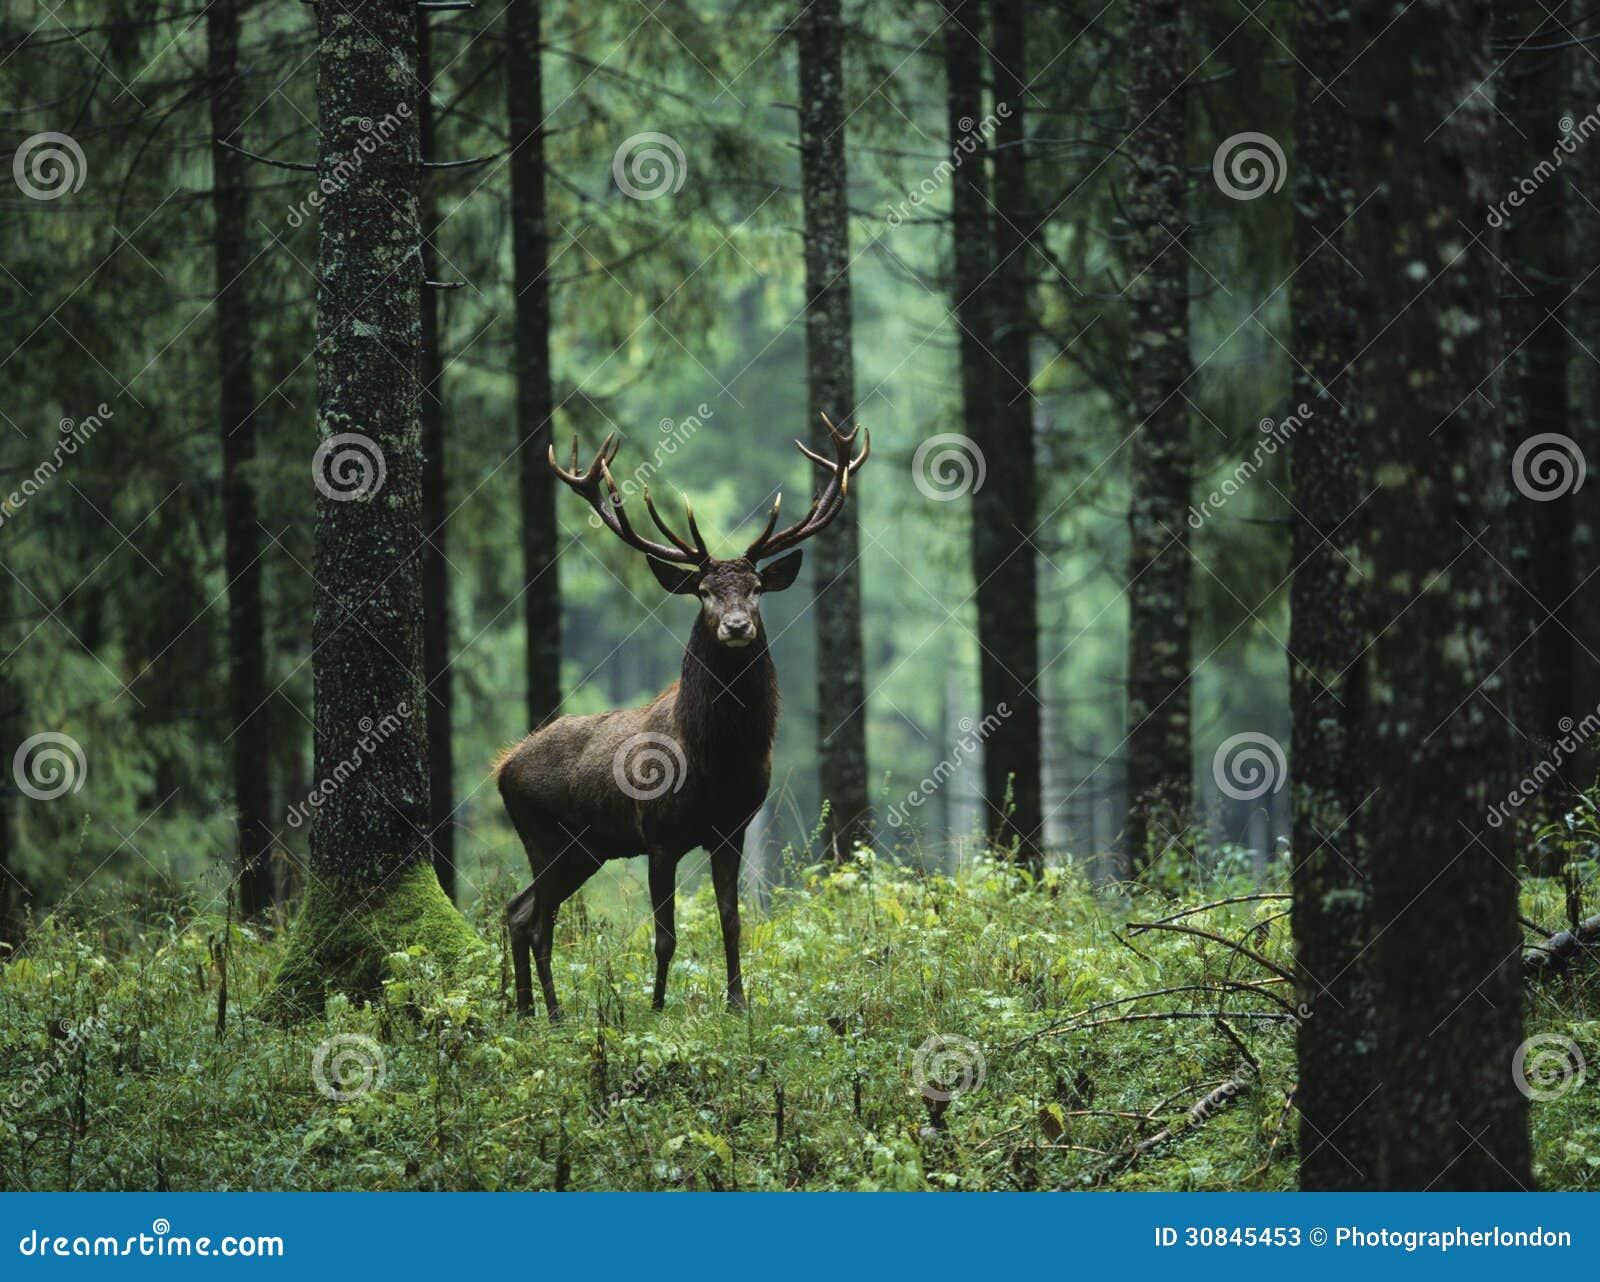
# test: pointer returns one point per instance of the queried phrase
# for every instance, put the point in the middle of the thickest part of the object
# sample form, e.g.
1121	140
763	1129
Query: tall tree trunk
435	563
830	385
1332	901
1532	93
1161	459
1584	398
530	244
247	669
11	888
1004	508
372	890
1444	879
971	245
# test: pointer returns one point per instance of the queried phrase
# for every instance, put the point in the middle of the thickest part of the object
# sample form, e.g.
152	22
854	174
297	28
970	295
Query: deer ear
781	573
674	578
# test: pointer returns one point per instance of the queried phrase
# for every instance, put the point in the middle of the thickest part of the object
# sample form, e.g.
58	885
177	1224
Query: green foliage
849	973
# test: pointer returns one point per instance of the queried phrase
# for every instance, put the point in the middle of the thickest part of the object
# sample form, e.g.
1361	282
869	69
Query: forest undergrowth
905	1031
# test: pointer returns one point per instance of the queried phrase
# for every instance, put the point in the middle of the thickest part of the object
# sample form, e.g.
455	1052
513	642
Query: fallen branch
1277	1134
1220	903
1556	954
1199	1111
1256	987
1134	927
1272	1016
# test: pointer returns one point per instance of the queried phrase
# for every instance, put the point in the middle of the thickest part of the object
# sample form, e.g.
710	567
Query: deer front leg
663	886
725	877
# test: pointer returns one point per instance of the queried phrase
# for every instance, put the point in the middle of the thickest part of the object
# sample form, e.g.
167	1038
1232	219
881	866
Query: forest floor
1056	1067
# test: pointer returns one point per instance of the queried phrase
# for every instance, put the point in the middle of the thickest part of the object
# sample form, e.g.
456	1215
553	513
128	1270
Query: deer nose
736	627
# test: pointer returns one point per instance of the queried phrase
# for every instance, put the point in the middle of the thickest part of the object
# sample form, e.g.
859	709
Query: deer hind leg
519	930
663	887
544	931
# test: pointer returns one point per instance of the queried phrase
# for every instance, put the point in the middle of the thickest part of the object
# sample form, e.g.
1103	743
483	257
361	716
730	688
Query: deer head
730	591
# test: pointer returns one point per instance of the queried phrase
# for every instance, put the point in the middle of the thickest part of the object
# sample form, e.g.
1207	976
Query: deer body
687	770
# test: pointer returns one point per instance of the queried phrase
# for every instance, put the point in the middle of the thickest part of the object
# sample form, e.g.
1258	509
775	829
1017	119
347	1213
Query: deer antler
825	505
607	504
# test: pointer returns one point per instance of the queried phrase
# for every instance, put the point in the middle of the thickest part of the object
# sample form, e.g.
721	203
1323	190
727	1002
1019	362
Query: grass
169	1082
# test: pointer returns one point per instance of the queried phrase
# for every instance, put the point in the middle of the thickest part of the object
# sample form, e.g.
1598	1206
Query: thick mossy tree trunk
834	554
1438	754
436	656
236	406
1332	918
1532	98
1004	508
372	889
1161	455
530	244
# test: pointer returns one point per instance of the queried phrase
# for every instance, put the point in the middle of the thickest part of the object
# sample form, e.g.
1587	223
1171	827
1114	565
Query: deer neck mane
728	699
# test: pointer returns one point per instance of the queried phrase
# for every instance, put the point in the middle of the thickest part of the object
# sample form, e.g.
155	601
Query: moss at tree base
344	934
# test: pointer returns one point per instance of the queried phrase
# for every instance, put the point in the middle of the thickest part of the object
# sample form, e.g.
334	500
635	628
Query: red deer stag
688	769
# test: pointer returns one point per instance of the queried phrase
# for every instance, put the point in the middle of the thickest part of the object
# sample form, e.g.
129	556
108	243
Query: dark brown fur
561	790
581	789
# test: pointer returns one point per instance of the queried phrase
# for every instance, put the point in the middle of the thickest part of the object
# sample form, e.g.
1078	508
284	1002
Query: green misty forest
825	595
